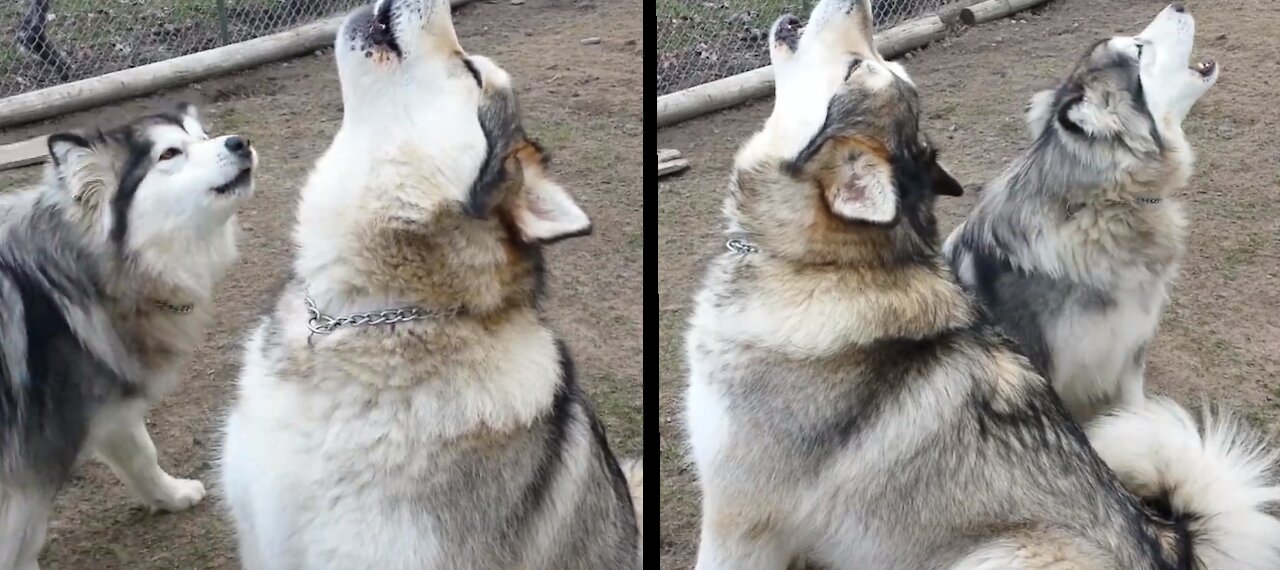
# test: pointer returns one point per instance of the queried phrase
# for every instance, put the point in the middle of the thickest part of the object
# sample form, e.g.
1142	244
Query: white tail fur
1221	477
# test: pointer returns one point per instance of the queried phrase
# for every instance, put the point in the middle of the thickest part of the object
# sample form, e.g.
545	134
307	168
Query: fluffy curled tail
1217	477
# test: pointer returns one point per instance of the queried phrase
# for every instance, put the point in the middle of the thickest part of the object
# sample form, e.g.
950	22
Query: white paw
178	495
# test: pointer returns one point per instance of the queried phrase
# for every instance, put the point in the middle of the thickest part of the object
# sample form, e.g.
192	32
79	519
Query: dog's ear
78	165
1089	112
543	211
944	184
862	187
854	174
190	116
1039	110
65	149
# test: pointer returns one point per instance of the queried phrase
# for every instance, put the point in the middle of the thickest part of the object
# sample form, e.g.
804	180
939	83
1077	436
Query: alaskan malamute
405	406
849	404
1073	248
106	278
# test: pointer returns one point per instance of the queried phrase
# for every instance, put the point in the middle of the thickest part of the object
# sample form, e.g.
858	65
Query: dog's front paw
178	495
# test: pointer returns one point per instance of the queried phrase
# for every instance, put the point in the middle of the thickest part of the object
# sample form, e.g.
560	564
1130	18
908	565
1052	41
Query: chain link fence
51	42
705	40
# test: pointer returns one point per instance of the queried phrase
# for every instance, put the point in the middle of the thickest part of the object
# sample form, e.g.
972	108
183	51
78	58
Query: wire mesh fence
705	40
56	41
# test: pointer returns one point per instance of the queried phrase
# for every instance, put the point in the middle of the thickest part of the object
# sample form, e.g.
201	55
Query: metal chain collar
172	308
320	323
1073	209
740	245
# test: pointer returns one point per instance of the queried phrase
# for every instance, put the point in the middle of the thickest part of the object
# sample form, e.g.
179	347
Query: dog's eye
475	73
853	65
169	153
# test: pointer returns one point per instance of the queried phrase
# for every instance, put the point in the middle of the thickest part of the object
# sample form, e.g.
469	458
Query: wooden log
25	153
149	78
989	10
672	166
718	94
665	154
715	95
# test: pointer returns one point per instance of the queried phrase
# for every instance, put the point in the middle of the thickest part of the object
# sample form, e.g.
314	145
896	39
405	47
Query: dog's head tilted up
431	189
1128	94
158	195
841	171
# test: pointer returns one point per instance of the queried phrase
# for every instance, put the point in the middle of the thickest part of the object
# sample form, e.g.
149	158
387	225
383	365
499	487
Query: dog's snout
239	146
1178	7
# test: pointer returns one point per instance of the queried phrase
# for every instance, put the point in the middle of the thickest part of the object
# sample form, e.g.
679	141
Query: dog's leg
727	545
24	520
122	442
1132	393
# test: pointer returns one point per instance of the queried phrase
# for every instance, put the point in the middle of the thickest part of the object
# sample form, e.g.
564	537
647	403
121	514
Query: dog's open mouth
241	180
1205	68
381	32
788	32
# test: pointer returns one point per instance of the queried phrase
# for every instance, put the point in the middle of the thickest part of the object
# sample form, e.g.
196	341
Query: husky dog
405	406
851	405
106	274
1073	248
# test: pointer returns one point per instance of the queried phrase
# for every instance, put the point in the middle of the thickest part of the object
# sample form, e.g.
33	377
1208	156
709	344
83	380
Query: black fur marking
617	480
1023	301
993	275
45	415
499	121
1064	114
135	170
560	419
475	73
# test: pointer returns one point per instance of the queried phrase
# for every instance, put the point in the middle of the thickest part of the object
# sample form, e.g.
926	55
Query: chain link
739	245
320	323
172	308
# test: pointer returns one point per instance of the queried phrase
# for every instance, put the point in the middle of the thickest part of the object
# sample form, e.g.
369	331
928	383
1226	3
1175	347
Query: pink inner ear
855	193
864	192
547	212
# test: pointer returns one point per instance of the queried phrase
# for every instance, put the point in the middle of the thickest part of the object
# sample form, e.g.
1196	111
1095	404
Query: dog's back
60	360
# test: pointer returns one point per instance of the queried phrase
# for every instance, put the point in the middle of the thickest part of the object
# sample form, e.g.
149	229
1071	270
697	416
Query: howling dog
405	406
1074	247
107	271
850	405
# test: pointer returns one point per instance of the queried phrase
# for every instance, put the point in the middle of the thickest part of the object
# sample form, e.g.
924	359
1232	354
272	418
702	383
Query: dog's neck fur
862	284
1102	215
799	227
392	243
160	340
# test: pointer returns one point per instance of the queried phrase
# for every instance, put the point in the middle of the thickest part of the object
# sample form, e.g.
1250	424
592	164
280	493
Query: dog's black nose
1178	7
239	146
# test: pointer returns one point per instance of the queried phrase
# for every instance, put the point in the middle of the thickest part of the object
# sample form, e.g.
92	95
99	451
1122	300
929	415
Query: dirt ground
584	102
1220	339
